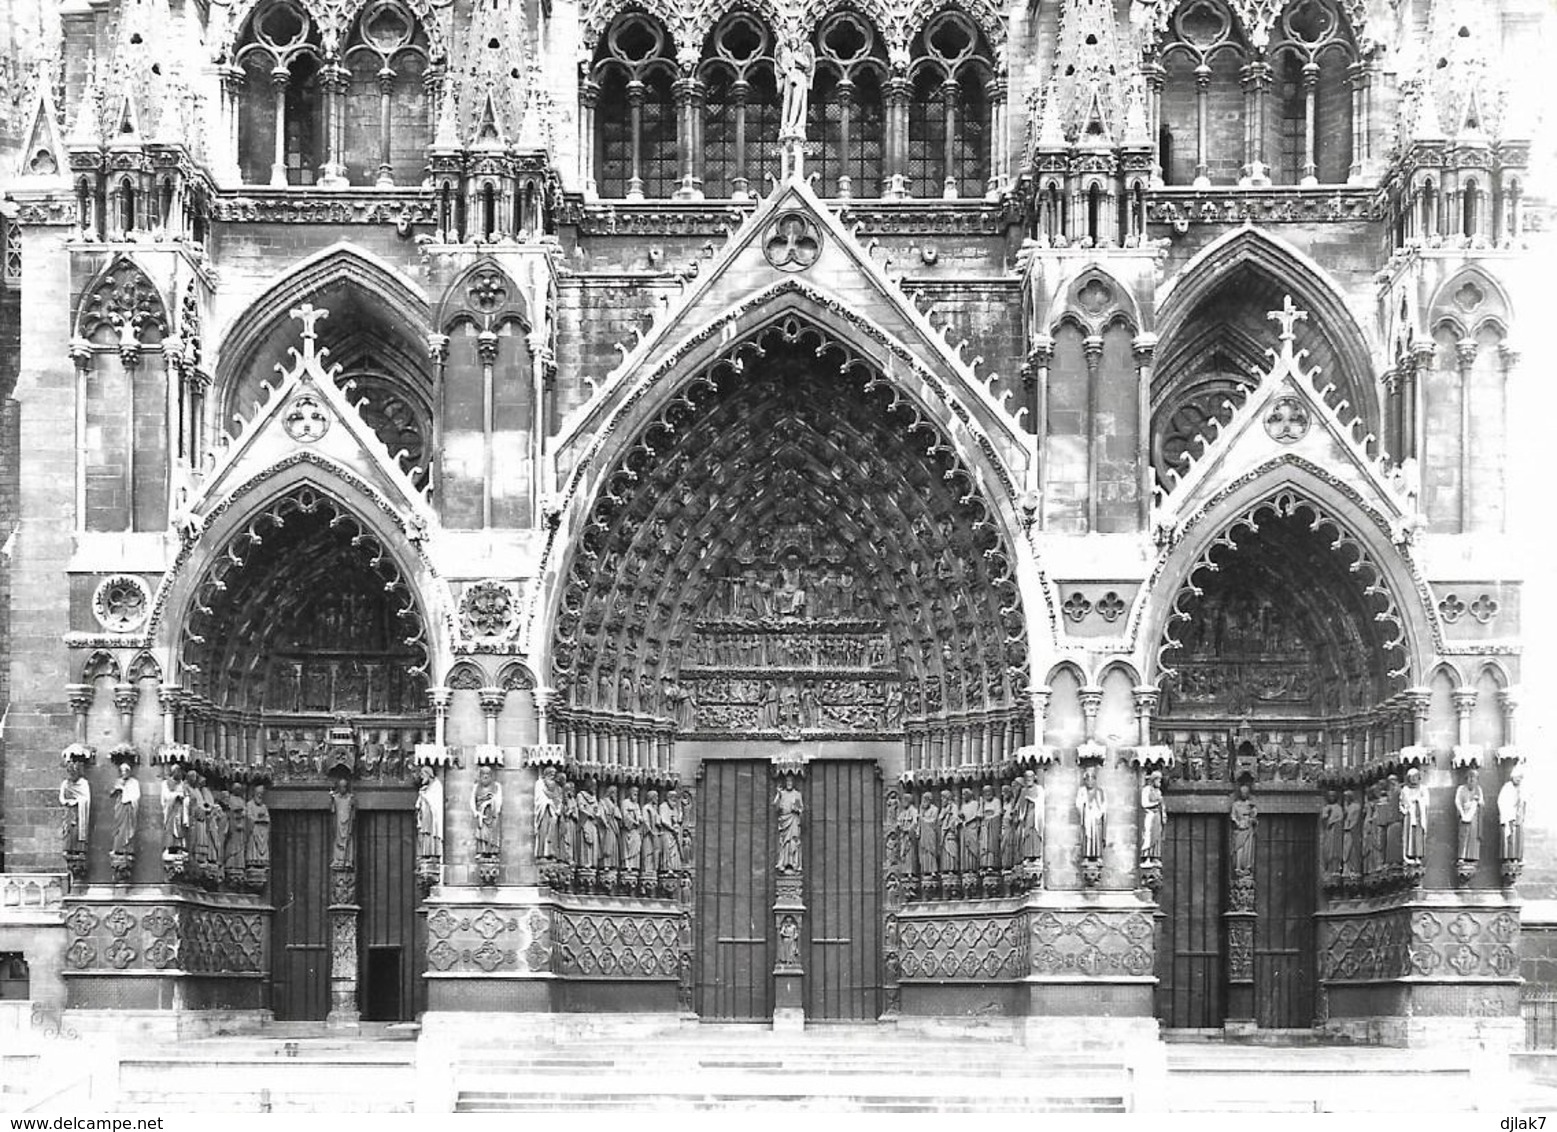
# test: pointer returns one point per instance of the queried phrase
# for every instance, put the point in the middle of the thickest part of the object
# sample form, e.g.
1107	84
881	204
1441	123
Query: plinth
789	912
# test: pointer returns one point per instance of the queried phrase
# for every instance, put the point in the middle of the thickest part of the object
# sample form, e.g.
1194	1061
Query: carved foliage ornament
121	603
488	610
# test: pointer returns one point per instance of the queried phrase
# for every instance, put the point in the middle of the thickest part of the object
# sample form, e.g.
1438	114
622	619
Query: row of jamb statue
215	826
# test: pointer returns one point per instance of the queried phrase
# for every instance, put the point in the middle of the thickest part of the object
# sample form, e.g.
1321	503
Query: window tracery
848	106
741	108
949	118
634	76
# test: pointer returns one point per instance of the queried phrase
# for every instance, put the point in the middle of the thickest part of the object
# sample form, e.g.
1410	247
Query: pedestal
344	910
789	912
1240	971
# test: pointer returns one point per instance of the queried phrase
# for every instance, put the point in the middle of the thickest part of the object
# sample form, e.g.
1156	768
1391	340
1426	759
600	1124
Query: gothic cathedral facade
766	510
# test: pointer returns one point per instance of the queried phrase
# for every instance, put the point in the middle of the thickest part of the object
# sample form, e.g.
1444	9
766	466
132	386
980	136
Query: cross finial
308	314
1288	315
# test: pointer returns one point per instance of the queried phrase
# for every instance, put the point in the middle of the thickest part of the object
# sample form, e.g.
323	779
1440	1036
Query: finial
1288	315
308	314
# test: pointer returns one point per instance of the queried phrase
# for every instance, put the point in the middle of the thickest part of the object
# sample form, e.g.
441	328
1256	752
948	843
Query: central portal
737	851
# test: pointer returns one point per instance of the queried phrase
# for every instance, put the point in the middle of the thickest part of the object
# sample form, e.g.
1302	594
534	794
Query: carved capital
491	700
126	696
438	699
1464	702
1147	697
1145	348
438	347
80	697
1465	351
1091	698
486	346
81	352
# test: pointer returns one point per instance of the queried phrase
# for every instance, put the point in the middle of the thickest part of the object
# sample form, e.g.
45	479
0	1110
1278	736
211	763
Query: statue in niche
1092	805
626	693
588	826
610	830
929	834
1468	800
1245	816
670	833
548	810
235	864
486	806
791	810
127	807
1372	831
651	833
429	814
1332	853
343	812
1030	816
1413	811
908	836
991	820
567	823
971	818
1154	818
75	796
951	833
256	820
1511	820
207	850
1352	832
632	832
788	943
824	592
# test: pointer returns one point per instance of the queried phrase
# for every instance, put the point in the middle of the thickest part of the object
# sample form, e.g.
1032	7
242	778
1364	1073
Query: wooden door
843	891
735	892
1191	970
391	936
1286	880
300	890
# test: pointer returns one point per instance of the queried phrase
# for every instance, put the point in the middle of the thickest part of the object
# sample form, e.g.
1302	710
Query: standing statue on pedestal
1392	813
486	806
1332	854
1413	817
1468	800
235	865
343	824
202	810
1154	819
929	834
1092	805
127	807
176	820
256	820
651	839
795	65
632	833
908	837
610	830
1031	800
1245	816
1511	823
791	809
991	818
429	829
588	808
1351	834
75	795
548	811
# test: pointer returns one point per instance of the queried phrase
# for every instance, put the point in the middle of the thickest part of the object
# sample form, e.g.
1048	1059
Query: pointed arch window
635	123
1203	63
741	107
949	109
1312	56
279	59
848	106
385	108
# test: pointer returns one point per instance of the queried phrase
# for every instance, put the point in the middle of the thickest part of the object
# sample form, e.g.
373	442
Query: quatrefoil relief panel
793	242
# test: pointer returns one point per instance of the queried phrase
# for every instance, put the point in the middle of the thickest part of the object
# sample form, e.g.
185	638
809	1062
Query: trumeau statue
343	823
791	809
1245	816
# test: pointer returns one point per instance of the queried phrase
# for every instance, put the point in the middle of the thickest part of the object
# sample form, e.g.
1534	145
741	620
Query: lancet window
848	113
1232	113
949	112
308	114
741	107
635	117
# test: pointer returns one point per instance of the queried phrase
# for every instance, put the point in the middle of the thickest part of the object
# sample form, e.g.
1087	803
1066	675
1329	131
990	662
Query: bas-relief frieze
1415	943
628	939
1013	943
171	937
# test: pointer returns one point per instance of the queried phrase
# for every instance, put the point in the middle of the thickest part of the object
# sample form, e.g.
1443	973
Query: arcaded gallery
892	512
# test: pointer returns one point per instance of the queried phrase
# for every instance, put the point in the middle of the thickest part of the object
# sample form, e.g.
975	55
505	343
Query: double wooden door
1191	947
391	937
737	847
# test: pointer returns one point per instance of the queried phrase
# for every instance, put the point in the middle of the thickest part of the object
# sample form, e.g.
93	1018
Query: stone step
480	1102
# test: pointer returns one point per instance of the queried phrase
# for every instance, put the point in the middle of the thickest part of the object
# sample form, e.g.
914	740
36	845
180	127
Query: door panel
735	854
391	935
1285	882
843	891
300	886
1191	988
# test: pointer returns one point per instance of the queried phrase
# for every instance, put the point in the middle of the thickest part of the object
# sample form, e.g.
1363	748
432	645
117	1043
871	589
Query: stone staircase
857	1070
273	1073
